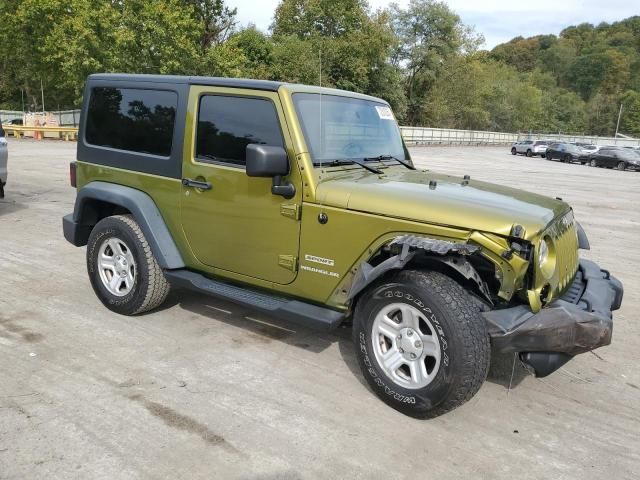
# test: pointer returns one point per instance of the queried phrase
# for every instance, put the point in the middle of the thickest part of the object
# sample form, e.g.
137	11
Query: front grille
565	238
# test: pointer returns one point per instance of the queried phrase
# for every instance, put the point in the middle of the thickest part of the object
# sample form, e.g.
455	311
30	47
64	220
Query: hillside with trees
423	59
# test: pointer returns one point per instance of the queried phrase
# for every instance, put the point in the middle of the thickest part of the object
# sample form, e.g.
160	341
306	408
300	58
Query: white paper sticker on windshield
385	113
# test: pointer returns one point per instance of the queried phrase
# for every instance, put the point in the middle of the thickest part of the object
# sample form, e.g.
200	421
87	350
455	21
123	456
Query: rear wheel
566	159
513	151
529	153
421	342
593	163
123	271
621	166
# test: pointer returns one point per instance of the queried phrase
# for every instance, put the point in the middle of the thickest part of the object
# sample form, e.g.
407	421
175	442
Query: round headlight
546	257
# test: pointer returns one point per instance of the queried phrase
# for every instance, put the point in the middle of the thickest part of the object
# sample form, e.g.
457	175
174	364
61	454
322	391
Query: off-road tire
462	333
513	151
150	288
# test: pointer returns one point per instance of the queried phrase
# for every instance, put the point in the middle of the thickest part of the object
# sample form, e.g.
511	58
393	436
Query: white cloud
497	20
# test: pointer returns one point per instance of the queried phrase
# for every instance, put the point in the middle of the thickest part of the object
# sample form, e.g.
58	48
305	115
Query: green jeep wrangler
302	202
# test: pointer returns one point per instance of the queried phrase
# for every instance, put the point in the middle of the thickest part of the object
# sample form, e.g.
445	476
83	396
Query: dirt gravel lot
204	389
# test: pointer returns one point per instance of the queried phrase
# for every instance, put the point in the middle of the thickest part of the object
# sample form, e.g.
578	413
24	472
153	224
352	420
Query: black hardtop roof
214	81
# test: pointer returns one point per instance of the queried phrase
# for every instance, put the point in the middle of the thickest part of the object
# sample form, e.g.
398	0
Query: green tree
630	119
429	35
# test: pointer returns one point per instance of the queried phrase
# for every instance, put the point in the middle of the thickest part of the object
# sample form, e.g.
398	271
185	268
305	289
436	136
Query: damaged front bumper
578	322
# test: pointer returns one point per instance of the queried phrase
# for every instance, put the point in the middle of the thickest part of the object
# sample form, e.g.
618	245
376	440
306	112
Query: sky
498	20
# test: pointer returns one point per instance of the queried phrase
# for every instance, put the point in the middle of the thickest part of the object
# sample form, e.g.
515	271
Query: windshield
338	127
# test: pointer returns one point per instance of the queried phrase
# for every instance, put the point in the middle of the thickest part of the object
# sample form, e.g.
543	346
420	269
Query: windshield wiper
349	161
391	157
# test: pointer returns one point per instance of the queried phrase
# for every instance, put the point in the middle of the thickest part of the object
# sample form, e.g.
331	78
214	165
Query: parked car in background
567	153
589	147
620	158
530	148
3	162
14	121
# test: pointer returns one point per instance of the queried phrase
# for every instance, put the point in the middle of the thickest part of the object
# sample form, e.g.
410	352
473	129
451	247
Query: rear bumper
580	321
74	232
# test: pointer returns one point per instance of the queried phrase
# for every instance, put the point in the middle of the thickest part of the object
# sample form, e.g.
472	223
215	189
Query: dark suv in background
612	157
567	153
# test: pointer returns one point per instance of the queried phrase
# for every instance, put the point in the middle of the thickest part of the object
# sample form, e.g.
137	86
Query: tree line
423	59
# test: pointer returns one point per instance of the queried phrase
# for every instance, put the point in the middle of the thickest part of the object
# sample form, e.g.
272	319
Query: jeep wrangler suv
303	202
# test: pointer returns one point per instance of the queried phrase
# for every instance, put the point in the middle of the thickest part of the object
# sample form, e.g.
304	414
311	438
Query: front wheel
513	151
621	166
593	163
529	153
421	342
123	271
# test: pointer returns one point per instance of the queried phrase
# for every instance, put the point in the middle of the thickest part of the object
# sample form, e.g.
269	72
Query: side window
226	125
132	119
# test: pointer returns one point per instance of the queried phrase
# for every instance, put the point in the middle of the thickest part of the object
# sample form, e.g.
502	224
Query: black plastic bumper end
75	233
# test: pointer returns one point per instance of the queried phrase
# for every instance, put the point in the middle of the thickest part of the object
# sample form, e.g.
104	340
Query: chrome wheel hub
116	266
406	345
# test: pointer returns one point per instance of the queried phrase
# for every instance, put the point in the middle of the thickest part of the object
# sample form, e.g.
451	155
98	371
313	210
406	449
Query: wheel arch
98	200
459	261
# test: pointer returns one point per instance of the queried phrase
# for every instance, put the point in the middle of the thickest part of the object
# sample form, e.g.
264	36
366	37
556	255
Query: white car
3	162
530	148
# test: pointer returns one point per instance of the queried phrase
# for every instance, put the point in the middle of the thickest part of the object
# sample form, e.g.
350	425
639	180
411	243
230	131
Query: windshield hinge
290	262
291	210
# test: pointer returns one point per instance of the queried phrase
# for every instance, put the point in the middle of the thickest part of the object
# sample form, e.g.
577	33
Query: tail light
72	174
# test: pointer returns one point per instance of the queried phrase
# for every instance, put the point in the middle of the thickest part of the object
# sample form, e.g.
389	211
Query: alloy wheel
406	345
116	266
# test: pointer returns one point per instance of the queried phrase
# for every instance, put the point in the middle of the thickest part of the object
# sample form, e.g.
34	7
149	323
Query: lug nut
413	356
409	332
399	337
401	350
418	344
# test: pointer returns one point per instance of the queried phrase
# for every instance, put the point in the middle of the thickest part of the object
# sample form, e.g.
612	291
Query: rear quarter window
132	119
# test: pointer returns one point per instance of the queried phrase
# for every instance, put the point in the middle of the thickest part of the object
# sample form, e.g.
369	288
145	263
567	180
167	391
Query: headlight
546	257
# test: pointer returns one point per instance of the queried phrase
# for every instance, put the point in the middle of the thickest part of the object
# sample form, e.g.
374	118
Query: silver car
3	162
530	148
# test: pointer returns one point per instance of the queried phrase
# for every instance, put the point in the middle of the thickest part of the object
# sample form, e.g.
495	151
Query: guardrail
448	136
592	139
18	131
412	136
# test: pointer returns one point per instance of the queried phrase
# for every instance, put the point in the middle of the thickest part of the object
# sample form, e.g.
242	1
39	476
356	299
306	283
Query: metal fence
65	118
447	136
592	139
413	135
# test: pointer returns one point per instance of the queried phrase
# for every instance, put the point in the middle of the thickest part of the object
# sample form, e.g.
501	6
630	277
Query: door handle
187	182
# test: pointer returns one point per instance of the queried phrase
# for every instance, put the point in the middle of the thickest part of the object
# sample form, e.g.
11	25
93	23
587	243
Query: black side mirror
267	161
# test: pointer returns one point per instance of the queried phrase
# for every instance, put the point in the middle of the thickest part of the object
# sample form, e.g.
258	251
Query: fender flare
448	253
143	209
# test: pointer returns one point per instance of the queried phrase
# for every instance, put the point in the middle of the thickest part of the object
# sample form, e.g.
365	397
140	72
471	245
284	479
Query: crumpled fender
413	245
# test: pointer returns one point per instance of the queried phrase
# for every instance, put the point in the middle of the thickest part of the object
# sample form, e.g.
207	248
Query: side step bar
301	313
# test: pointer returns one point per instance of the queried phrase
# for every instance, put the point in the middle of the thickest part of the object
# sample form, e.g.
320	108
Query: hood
407	194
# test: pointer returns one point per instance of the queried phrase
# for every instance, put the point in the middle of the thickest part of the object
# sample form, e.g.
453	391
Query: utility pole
42	93
618	124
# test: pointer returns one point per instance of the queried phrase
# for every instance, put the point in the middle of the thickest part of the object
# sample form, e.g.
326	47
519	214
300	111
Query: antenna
322	214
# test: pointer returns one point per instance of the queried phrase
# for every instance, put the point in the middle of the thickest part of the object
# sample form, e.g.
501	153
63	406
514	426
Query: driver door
233	222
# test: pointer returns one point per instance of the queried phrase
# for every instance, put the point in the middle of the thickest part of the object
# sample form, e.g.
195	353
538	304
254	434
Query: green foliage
420	58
